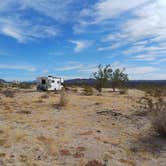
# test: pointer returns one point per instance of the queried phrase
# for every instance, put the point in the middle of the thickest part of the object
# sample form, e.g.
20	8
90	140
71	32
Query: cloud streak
80	45
15	23
17	67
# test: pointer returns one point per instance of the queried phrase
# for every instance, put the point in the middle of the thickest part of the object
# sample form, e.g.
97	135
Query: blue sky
70	38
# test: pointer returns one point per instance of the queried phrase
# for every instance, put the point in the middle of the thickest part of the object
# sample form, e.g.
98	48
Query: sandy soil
89	131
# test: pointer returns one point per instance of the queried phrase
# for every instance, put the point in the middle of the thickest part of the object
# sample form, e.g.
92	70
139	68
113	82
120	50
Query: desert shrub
87	90
45	96
156	108
63	99
158	116
8	93
119	79
24	85
153	90
102	76
123	91
1	86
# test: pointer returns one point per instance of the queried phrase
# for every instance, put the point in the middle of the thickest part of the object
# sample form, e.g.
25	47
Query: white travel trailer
49	83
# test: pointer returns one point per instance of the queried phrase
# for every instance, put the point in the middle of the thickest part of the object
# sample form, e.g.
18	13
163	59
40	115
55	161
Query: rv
49	83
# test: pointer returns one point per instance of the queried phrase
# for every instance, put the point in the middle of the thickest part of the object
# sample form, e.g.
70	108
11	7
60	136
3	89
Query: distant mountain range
131	83
2	81
91	81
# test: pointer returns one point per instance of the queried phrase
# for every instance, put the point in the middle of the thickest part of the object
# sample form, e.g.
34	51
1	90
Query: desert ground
98	130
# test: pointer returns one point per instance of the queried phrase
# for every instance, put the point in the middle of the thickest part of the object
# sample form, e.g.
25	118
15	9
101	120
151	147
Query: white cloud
108	9
51	8
162	60
24	31
141	31
17	67
78	67
140	70
80	45
147	23
55	9
15	23
68	68
112	47
145	57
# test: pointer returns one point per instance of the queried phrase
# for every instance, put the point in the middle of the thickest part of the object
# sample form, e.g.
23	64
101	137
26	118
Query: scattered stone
39	157
65	152
127	162
82	162
2	154
105	142
80	148
109	112
98	131
78	155
94	163
24	112
97	103
12	156
23	158
1	163
86	133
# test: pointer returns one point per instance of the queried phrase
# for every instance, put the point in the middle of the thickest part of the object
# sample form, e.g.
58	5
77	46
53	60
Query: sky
70	38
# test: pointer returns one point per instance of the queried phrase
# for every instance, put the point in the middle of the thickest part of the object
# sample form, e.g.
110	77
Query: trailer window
43	81
53	81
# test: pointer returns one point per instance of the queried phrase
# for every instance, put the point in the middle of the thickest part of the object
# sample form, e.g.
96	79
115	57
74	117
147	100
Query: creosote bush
156	108
8	93
158	116
123	91
153	90
88	90
45	96
24	85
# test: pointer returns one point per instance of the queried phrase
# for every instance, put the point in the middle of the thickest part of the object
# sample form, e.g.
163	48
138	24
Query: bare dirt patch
105	130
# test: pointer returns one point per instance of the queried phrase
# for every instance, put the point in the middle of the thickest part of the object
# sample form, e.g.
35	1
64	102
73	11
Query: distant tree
119	79
102	76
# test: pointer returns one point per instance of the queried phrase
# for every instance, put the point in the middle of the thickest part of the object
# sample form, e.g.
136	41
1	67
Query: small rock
39	157
94	163
78	155
86	133
65	152
80	148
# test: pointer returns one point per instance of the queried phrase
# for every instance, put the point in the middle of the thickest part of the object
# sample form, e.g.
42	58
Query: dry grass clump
158	116
63	99
153	90
88	91
8	93
24	85
123	91
45	96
